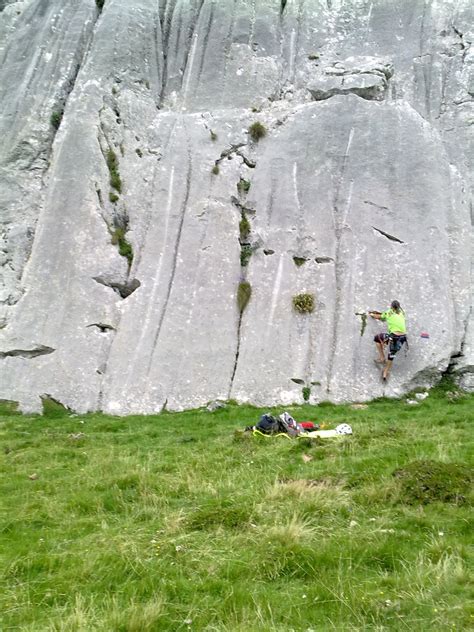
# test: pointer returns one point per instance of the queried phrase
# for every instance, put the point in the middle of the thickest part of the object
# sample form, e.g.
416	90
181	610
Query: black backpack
271	425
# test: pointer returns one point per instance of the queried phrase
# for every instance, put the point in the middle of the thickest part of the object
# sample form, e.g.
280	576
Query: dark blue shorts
395	343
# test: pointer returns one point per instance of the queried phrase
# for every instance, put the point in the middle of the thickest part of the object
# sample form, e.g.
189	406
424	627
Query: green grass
244	292
119	239
244	227
182	521
56	118
257	131
113	166
303	303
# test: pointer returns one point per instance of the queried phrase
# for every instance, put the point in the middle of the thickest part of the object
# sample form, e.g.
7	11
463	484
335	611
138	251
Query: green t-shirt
395	322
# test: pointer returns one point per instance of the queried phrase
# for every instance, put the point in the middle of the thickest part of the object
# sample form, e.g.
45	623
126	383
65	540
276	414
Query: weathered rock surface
134	201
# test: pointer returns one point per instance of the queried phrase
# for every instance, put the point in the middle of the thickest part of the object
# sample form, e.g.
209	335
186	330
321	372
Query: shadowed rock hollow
152	247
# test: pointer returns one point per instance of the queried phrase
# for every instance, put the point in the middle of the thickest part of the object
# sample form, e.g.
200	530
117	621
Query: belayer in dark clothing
395	338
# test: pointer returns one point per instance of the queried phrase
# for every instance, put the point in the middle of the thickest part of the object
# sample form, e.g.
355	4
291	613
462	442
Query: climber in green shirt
395	338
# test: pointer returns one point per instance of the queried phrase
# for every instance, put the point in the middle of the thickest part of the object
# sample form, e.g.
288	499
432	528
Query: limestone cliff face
134	202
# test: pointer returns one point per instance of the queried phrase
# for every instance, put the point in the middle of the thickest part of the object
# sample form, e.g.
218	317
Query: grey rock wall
126	169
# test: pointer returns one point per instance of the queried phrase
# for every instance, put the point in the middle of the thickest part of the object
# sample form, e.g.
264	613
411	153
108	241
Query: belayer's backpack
277	425
269	425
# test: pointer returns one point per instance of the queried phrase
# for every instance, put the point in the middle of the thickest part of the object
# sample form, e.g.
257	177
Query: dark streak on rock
103	327
27	353
242	207
237	353
388	236
379	206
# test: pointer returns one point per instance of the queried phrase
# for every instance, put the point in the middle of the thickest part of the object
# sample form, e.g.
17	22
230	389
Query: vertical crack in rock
237	353
19	149
463	45
69	82
296	42
207	33
426	68
118	223
191	46
189	175
244	291
228	44
167	9
339	267
299	209
455	357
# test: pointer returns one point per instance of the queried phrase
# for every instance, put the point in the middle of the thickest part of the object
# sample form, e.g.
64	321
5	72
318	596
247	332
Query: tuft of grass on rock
244	292
299	261
257	131
245	254
244	227
215	170
213	135
113	197
243	186
56	118
303	303
112	164
124	247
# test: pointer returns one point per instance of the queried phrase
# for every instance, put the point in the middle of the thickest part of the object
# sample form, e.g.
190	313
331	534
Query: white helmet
343	429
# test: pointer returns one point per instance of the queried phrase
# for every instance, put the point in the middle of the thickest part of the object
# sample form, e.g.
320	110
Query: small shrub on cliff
112	164
245	254
244	293
299	261
56	118
243	186
257	131
124	247
303	303
244	227
215	170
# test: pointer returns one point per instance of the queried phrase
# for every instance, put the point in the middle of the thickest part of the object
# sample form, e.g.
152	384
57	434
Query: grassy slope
176	522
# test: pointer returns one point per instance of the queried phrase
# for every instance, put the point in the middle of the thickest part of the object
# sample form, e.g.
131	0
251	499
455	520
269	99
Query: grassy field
183	522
